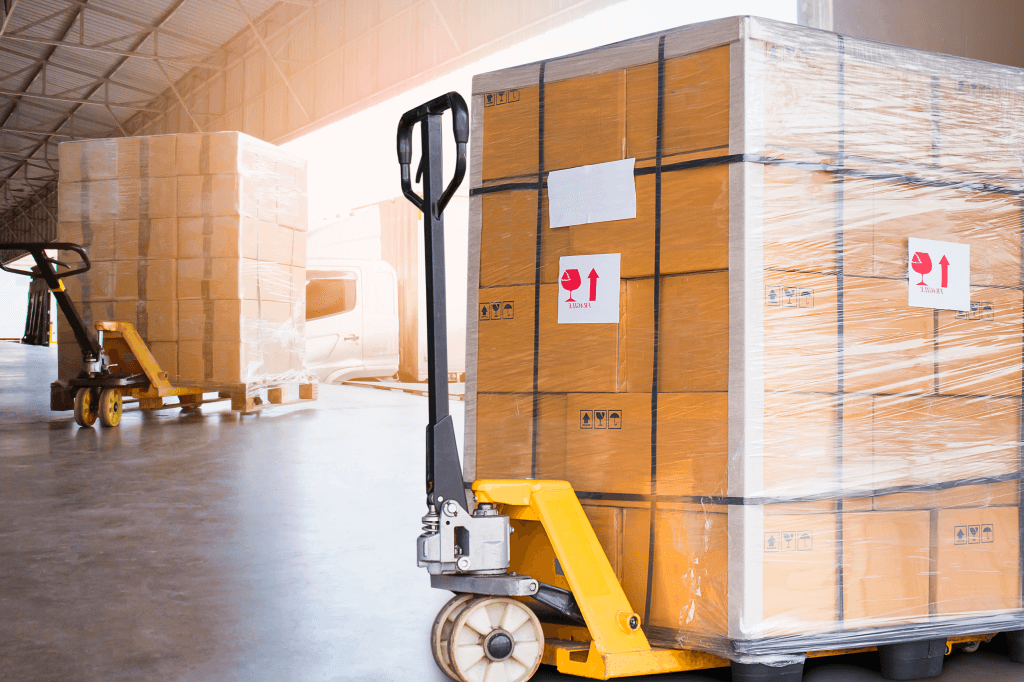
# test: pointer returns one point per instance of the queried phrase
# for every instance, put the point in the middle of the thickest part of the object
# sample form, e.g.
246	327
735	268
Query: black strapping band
657	315
537	273
838	169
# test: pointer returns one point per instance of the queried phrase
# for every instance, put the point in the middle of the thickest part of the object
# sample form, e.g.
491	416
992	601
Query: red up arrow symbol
593	284
945	272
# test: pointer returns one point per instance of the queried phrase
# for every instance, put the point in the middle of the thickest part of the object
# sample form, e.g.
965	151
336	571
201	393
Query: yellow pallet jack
116	361
532	582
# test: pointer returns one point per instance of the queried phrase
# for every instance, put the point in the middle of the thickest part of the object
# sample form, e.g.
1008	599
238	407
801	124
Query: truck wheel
85	407
110	407
495	632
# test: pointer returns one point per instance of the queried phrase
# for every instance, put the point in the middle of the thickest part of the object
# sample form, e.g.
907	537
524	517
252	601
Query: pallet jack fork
523	539
97	391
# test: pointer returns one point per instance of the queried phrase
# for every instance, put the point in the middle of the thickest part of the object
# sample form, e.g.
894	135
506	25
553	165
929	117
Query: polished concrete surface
277	547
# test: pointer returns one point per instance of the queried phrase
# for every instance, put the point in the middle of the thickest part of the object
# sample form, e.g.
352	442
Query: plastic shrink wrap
779	450
199	240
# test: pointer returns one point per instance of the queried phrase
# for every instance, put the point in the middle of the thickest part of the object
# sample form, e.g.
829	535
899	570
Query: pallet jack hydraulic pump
115	359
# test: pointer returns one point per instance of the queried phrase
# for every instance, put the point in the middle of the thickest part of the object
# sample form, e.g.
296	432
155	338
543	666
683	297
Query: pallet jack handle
444	473
89	344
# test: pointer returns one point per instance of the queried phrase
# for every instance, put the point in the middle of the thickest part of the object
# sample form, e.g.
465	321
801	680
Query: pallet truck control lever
456	541
94	360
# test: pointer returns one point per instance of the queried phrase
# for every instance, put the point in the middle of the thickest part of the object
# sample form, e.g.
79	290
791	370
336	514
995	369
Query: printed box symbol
507	310
489	99
771	542
485	311
960	535
973	535
496	310
806	298
988	532
788	541
614	419
772	296
790	296
502	96
586	419
805	541
600	419
513	95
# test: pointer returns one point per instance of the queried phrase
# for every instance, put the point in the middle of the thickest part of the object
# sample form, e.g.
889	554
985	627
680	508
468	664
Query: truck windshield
330	296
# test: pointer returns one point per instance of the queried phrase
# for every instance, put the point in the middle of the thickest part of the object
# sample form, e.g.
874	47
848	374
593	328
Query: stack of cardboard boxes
199	240
814	445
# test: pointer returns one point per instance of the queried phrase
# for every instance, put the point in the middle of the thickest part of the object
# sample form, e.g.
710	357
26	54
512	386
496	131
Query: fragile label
588	289
979	312
782	296
600	419
789	541
501	97
978	534
498	310
940	275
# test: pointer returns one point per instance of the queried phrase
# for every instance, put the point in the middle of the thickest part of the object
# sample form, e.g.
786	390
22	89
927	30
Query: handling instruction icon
571	282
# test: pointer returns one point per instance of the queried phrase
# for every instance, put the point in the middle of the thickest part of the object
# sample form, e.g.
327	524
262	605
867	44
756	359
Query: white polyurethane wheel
495	639
442	630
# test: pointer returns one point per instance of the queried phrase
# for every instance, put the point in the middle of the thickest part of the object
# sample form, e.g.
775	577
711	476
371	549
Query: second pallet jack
115	360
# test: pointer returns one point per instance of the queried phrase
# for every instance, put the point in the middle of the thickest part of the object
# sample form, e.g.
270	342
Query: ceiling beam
110	74
191	60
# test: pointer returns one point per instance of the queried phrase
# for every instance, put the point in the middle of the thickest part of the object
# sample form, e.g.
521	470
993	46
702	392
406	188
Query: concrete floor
274	547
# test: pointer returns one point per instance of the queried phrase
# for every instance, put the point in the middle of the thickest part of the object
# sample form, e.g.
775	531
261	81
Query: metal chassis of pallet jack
608	642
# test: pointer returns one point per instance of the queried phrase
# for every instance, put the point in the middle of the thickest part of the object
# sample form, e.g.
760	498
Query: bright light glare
352	162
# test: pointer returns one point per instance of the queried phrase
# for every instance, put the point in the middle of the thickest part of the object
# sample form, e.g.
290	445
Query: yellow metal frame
550	524
117	333
614	649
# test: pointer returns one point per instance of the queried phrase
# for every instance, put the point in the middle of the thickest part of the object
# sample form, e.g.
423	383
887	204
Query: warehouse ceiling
73	69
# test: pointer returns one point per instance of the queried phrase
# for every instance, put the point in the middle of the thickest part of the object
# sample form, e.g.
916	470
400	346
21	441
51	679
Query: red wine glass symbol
922	264
571	282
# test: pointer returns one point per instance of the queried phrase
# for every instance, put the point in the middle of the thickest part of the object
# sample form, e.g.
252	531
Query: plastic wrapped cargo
199	240
755	291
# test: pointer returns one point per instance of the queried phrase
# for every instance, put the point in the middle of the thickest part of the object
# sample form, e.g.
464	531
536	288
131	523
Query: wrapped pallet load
755	291
199	240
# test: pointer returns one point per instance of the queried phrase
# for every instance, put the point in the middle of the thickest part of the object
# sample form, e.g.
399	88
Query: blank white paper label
940	274
592	194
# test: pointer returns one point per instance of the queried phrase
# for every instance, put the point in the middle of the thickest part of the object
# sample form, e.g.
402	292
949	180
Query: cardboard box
886	567
979	352
934	439
978	561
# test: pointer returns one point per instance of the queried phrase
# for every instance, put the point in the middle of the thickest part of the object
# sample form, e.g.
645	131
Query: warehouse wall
988	30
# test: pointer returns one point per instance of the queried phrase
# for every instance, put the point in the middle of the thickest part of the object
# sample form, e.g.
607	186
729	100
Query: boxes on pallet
199	241
770	436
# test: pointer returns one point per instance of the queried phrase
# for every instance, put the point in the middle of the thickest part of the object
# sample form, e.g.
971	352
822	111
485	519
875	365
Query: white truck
351	319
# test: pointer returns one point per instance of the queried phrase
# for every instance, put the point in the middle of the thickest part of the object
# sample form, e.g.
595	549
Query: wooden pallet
244	397
419	389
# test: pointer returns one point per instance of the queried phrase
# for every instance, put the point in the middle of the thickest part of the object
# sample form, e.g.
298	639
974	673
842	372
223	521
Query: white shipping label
940	274
588	289
592	194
